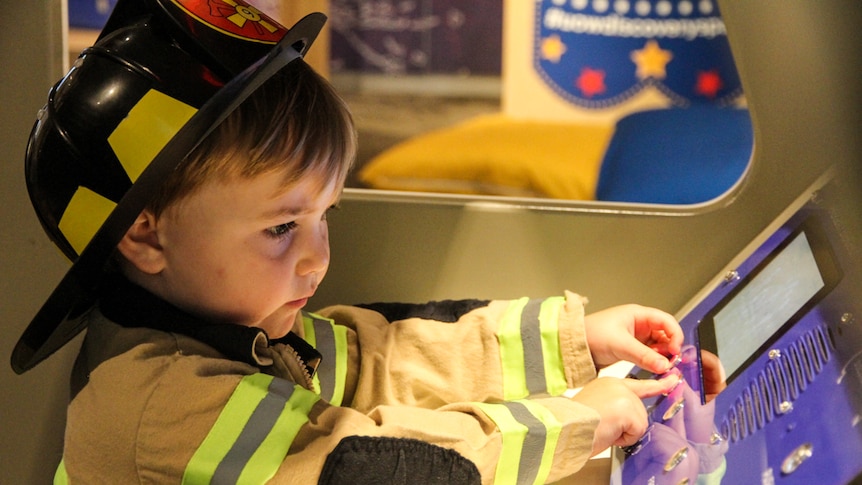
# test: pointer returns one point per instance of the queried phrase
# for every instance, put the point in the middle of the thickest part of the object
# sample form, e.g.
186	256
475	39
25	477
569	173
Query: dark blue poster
417	36
599	53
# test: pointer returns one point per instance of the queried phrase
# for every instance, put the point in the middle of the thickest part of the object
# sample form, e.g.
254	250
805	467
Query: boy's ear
140	245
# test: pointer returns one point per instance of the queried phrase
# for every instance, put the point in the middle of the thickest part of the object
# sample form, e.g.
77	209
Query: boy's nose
315	253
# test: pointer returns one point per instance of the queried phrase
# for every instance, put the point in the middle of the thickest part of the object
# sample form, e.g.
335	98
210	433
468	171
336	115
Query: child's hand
641	335
623	417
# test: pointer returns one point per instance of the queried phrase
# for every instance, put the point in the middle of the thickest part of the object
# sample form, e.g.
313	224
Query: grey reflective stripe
534	442
531	340
529	434
258	427
325	344
253	433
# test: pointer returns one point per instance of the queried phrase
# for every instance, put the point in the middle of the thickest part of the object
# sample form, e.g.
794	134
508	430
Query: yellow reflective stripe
555	373
553	428
61	477
530	433
311	337
530	353
250	391
331	341
84	215
148	127
253	433
513	434
512	351
265	461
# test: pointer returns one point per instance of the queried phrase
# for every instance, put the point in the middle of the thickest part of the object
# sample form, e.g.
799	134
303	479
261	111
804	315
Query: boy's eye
280	230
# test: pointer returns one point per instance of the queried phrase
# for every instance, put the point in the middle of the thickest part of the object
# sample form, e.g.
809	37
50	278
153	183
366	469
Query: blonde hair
295	123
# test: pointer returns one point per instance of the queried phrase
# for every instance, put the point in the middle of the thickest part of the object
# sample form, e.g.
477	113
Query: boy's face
247	251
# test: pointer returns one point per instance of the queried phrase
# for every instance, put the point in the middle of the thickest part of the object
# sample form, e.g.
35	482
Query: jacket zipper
304	370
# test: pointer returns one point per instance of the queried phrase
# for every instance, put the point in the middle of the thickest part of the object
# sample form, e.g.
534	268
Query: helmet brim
63	315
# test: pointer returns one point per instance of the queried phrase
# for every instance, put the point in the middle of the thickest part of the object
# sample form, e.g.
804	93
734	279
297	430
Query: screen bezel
830	273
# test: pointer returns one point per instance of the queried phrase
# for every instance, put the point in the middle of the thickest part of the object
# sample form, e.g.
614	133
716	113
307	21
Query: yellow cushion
496	155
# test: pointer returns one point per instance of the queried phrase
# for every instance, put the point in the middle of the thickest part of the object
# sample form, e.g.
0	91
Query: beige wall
31	406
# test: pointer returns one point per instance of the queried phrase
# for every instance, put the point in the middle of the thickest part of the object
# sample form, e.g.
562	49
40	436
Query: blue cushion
676	156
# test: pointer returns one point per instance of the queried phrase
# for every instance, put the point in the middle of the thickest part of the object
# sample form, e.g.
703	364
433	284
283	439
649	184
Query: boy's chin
279	327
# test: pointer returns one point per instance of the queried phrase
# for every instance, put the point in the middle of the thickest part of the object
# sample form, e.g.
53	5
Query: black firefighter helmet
160	77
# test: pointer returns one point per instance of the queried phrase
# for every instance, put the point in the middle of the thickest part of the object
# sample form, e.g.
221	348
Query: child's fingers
644	388
654	360
662	335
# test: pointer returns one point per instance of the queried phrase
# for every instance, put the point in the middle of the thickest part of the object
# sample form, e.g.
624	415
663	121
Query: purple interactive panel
784	326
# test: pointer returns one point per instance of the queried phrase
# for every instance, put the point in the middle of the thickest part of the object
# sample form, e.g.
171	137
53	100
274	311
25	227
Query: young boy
199	363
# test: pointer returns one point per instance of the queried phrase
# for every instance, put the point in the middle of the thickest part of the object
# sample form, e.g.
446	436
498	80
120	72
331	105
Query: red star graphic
708	83
591	82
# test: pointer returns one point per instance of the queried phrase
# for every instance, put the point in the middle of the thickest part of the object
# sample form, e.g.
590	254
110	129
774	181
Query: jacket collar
130	306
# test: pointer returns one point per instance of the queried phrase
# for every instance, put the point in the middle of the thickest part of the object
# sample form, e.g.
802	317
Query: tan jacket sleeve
438	381
463	427
485	355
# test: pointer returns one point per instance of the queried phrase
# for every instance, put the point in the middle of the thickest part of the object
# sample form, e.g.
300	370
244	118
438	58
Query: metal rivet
676	459
847	318
774	354
674	409
731	276
796	458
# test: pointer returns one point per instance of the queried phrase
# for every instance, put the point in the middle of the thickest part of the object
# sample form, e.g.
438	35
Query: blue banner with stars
599	53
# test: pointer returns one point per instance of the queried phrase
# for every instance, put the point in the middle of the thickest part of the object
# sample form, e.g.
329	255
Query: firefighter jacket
445	392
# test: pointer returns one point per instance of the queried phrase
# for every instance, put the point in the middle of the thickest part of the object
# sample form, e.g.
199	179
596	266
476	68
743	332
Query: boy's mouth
298	303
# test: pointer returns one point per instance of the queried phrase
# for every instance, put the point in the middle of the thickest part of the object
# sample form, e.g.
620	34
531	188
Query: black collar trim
131	306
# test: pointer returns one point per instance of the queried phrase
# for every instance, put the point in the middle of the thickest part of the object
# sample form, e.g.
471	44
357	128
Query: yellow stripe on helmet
84	215
149	126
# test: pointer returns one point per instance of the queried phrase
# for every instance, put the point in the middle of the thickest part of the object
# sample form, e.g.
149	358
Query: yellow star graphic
651	60
553	48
